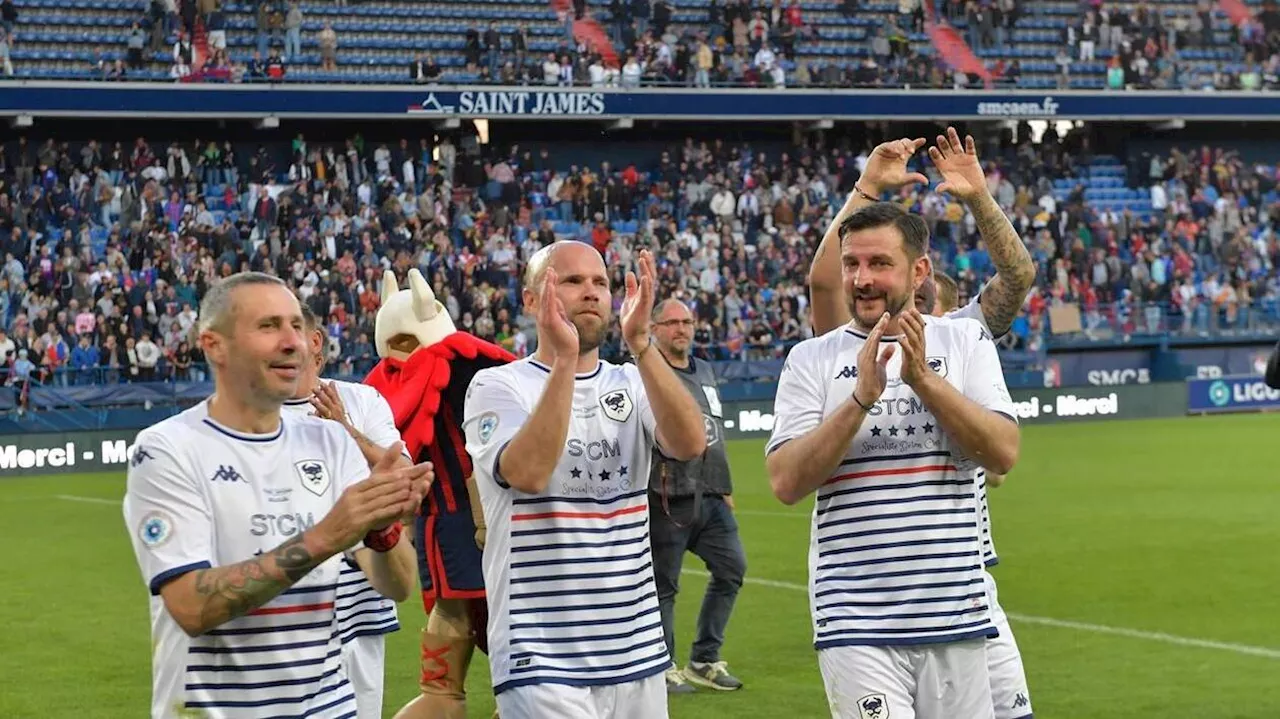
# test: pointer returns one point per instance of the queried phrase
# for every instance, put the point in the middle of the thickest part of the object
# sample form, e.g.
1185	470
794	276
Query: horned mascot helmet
425	368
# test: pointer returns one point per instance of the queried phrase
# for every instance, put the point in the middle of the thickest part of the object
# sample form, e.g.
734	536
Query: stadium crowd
109	246
737	42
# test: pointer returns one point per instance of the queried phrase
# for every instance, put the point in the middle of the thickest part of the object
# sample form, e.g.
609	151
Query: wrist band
857	401
646	349
858	191
384	540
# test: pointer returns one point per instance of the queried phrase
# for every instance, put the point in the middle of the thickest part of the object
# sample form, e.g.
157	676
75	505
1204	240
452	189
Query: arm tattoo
233	591
1015	271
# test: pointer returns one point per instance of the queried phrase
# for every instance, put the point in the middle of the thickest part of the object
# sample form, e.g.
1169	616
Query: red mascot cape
426	393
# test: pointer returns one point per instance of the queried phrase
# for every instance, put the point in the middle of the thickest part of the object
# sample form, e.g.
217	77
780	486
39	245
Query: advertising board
1230	394
67	452
1033	406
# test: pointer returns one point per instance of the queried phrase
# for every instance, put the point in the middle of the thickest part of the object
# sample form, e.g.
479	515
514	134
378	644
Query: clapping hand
873	365
914	365
377	502
637	306
555	330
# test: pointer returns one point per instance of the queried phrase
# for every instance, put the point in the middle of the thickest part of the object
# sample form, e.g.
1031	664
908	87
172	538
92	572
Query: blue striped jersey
568	572
973	310
361	610
201	495
989	556
895	553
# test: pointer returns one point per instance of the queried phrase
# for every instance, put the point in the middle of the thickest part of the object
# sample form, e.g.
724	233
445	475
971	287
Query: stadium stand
108	245
1057	44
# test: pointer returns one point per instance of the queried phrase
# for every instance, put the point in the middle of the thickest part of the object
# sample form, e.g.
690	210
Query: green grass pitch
1139	559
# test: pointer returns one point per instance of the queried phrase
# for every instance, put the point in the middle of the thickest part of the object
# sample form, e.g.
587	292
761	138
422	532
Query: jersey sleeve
971	311
800	399
168	517
984	378
379	425
495	410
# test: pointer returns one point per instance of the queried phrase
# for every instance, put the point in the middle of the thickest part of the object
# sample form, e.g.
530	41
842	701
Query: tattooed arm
963	179
172	524
208	598
1003	296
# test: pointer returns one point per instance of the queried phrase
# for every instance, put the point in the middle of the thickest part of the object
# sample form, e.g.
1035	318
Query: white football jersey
568	572
361	609
201	495
973	311
895	548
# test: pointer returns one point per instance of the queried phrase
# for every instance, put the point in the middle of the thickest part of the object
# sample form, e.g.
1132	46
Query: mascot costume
425	368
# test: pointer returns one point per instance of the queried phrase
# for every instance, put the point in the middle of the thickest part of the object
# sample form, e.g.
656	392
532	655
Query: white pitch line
1246	649
769	513
87	500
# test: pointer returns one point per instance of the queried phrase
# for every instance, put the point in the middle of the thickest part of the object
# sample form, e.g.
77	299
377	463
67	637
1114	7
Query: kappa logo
938	364
873	706
140	455
314	476
617	405
226	473
849	372
486	425
1020	701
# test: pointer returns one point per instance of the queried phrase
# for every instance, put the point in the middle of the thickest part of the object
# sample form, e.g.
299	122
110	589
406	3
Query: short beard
590	337
894	306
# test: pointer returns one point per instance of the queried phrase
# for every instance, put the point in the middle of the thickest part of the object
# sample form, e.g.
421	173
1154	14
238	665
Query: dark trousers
712	534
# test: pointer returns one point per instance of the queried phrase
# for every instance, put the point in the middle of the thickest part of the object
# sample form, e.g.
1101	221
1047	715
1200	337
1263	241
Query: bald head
581	286
556	254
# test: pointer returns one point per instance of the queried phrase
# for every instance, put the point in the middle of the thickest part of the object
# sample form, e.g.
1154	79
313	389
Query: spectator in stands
328	42
293	32
6	63
8	15
134	43
275	67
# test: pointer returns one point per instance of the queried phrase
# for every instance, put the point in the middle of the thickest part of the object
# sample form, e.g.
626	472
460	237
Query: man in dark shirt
691	509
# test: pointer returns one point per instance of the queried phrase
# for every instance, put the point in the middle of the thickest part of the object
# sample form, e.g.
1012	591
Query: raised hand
887	167
555	330
377	502
328	403
637	306
914	365
873	366
962	175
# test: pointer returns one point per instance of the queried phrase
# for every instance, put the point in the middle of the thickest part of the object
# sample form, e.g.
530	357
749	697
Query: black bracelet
864	195
859	403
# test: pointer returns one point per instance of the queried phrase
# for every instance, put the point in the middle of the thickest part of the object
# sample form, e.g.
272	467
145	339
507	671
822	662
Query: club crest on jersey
709	424
487	424
938	364
617	405
873	706
314	475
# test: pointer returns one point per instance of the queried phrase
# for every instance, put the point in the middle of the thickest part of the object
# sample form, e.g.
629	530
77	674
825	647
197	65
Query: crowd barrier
97	451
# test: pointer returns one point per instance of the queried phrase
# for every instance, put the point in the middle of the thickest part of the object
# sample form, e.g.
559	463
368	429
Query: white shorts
641	699
926	681
364	658
1004	663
